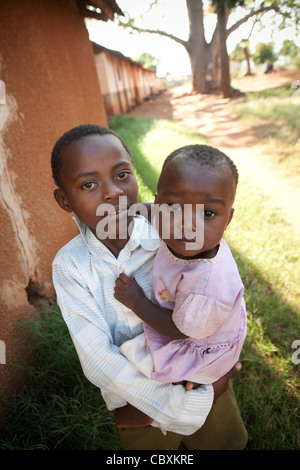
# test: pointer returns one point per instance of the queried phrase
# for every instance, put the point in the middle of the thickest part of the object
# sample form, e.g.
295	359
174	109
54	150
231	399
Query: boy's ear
61	199
230	216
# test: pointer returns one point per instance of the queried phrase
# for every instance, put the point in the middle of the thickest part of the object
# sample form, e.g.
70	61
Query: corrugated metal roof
97	49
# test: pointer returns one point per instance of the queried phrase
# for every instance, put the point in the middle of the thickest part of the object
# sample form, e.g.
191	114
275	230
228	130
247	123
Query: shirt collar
143	233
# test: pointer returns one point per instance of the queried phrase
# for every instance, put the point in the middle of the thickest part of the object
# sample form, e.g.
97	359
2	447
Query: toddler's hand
191	385
127	291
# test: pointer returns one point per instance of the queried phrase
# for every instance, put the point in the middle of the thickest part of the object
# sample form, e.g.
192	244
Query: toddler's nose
193	223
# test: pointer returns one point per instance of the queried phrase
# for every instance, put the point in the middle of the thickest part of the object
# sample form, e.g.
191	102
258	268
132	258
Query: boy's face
96	170
182	184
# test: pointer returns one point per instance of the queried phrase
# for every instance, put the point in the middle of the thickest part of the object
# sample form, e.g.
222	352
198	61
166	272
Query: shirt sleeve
171	406
198	316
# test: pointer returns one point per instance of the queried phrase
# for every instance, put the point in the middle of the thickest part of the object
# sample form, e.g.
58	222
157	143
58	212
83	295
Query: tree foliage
238	53
264	53
147	60
289	48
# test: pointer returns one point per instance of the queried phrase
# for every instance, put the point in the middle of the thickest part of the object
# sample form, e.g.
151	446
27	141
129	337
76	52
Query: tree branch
252	13
152	31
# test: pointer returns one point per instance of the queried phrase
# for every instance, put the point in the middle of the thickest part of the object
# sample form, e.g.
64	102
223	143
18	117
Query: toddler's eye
88	185
209	214
175	207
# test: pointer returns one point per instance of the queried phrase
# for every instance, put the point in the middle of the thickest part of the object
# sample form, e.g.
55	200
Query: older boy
92	166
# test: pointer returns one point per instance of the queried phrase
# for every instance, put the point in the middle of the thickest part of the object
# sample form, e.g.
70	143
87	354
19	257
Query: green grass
268	386
59	409
62	410
274	117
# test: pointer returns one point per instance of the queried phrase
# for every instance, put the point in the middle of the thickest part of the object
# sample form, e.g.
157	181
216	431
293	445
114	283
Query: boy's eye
123	175
209	214
88	185
175	207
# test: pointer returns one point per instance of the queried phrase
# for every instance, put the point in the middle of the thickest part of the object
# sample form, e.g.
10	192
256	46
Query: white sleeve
171	406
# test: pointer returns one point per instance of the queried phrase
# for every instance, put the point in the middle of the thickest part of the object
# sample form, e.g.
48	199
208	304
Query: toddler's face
188	184
96	170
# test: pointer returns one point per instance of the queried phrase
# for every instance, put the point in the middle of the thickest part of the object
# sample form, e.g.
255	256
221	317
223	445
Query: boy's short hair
76	133
205	155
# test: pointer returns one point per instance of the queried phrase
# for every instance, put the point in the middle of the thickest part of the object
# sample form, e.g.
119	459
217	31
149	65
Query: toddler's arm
129	293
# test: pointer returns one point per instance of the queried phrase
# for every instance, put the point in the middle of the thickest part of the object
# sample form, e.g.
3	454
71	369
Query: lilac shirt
206	296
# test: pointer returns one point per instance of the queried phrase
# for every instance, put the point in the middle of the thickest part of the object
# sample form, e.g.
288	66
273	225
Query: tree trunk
200	53
245	44
247	56
204	72
225	87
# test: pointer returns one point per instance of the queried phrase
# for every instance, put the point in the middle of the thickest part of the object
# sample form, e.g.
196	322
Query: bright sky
172	17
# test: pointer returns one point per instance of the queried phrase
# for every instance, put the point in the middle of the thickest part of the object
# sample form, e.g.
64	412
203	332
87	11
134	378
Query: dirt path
211	117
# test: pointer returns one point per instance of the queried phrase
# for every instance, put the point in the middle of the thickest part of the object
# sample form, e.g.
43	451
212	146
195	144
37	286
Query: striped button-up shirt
84	274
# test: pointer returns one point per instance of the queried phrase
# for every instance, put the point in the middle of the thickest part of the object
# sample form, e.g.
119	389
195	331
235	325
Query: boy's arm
171	406
129	293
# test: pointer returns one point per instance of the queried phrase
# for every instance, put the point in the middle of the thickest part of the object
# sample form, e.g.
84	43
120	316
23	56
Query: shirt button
120	269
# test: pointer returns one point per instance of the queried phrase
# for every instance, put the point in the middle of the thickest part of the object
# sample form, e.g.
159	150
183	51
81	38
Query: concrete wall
51	84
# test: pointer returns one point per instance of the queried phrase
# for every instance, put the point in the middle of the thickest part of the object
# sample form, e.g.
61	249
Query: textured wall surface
50	85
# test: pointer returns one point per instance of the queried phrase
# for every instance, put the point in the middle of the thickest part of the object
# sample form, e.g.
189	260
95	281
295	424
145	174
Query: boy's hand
221	385
130	417
127	291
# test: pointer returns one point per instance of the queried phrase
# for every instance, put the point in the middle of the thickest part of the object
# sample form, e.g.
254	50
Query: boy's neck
113	245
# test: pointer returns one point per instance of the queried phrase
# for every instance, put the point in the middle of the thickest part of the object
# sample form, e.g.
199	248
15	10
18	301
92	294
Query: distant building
124	83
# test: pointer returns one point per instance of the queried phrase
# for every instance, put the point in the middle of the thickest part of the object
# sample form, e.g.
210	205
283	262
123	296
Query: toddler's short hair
71	136
205	156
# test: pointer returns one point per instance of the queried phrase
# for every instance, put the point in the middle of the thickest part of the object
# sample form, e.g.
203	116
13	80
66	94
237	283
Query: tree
247	55
291	50
264	53
240	53
148	61
209	60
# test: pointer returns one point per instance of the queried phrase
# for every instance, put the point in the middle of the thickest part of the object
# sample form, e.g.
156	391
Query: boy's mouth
120	213
113	223
116	213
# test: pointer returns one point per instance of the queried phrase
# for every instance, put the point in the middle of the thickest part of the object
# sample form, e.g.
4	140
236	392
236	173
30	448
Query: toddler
195	326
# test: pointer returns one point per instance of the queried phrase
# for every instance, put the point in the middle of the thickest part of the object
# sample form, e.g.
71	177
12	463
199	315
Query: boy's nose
111	191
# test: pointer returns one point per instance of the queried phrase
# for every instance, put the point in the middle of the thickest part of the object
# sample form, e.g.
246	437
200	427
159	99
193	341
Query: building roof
103	10
97	49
